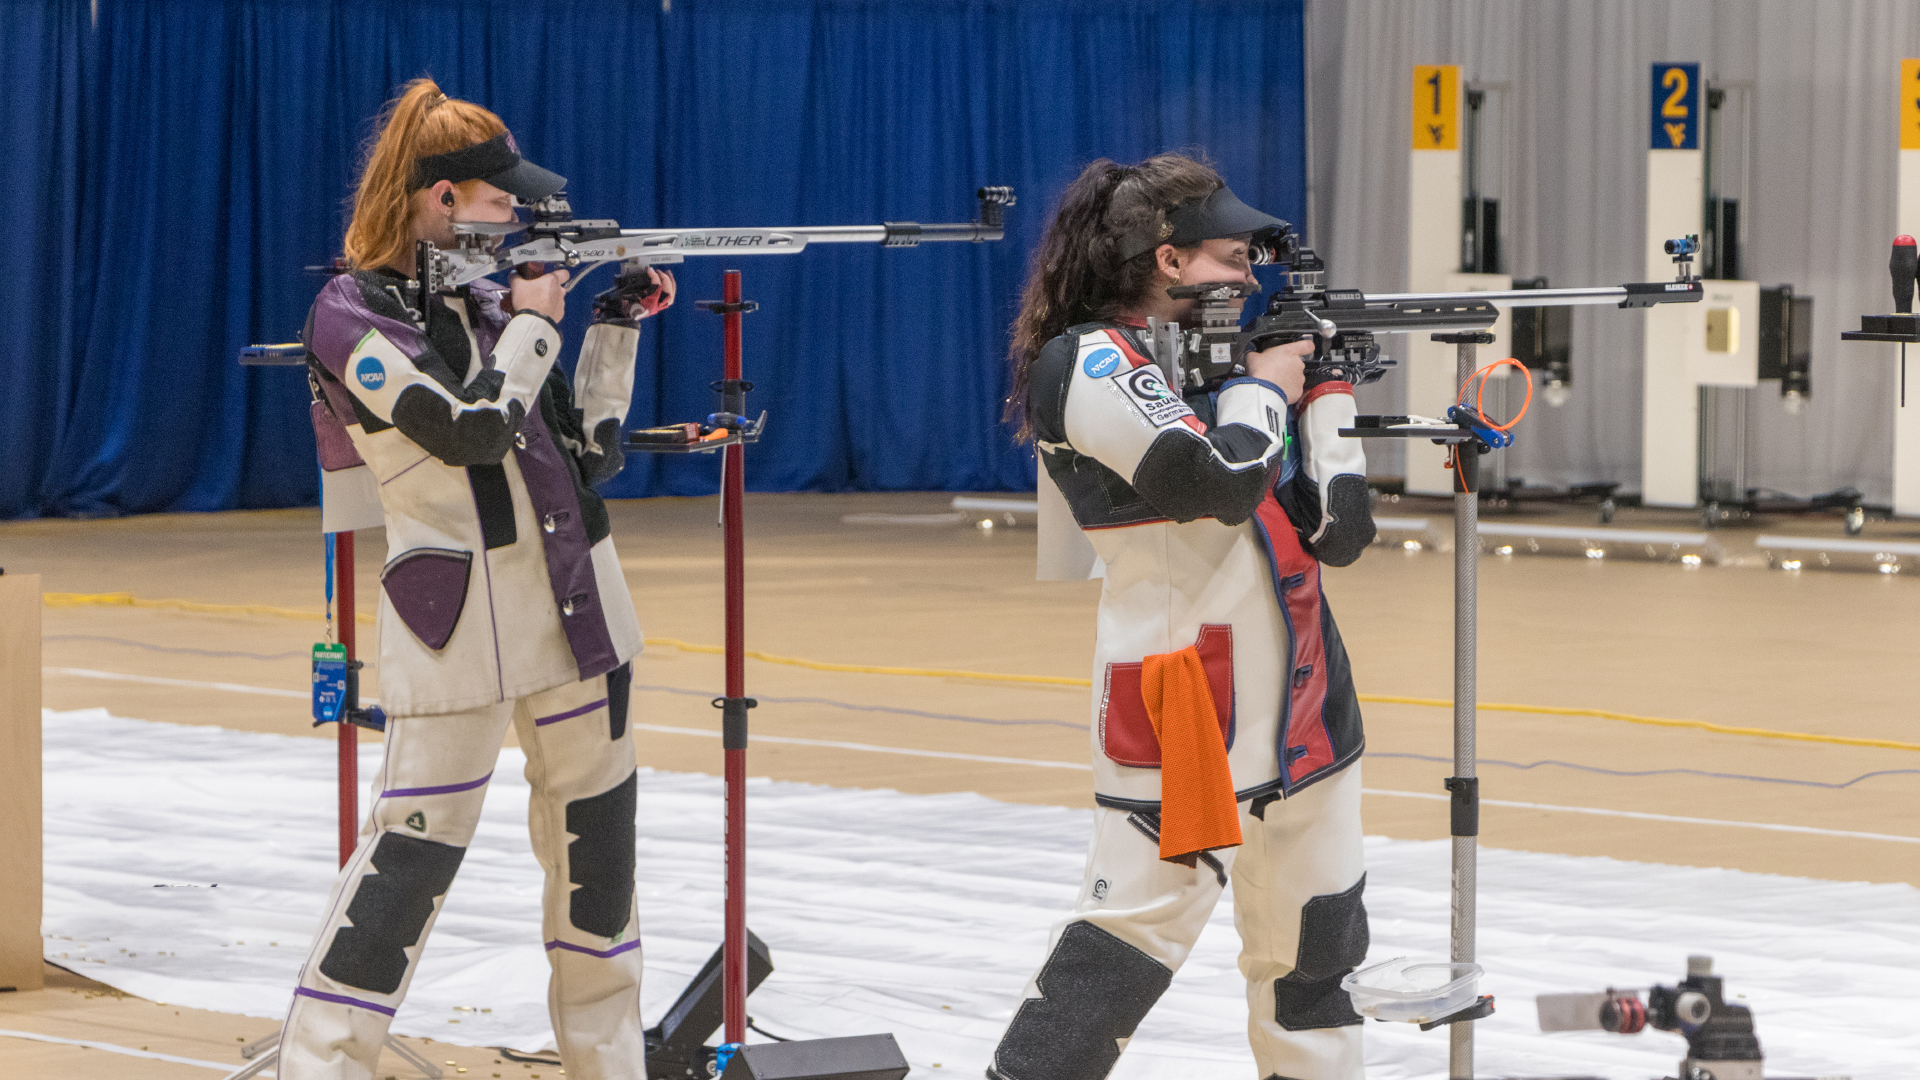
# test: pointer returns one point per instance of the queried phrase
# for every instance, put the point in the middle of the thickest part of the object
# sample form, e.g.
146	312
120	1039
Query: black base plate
1479	1010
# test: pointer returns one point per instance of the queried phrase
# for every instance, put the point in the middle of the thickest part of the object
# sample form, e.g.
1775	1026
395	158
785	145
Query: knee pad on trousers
390	908
619	687
600	859
1094	990
1333	941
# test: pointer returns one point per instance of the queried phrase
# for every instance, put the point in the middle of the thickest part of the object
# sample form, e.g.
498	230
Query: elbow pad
460	425
1224	471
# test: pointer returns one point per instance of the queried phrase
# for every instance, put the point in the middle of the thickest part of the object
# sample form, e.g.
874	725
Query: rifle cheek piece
1215	352
1340	322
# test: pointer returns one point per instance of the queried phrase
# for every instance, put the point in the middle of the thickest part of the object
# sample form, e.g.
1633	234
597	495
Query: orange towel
1197	809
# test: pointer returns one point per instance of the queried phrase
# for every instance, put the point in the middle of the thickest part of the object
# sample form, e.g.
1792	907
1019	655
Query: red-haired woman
502	602
1226	731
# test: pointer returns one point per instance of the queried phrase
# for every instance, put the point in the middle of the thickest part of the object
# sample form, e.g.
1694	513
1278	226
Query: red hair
419	123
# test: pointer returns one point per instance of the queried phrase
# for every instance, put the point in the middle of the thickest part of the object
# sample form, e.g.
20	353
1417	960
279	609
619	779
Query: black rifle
1342	322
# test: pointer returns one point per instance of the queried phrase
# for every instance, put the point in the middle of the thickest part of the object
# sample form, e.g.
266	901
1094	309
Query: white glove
603	383
1336	470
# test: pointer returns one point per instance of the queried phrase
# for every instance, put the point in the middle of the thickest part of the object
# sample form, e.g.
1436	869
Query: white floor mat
916	914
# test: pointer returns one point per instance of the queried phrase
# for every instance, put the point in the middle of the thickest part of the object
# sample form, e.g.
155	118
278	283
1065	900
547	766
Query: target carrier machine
1721	1042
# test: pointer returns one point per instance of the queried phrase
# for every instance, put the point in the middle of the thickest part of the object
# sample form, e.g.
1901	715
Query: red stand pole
732	488
349	741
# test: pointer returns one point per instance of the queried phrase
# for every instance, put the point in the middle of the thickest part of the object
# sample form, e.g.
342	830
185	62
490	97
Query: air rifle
1342	322
556	238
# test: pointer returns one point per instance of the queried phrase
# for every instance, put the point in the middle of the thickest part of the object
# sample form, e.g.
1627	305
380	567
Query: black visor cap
1218	215
498	162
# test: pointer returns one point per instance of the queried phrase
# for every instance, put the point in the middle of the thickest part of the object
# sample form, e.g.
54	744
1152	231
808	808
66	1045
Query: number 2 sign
1676	107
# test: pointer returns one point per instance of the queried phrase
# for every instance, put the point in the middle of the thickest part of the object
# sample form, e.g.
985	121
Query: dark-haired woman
1226	731
502	602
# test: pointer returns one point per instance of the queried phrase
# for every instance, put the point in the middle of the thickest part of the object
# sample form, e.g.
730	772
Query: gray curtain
1819	213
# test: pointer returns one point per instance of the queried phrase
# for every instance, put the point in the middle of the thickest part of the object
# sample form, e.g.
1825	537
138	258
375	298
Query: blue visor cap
498	162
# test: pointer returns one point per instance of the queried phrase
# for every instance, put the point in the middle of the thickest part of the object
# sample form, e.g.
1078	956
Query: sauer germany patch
1145	388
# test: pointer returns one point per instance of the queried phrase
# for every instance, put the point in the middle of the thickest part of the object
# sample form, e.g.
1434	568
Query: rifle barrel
961	231
904	233
1602	294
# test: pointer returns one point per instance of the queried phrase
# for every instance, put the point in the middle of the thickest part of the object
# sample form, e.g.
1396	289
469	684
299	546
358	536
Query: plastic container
1410	991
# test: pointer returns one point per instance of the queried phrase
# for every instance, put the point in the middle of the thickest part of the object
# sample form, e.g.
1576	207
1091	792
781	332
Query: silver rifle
556	238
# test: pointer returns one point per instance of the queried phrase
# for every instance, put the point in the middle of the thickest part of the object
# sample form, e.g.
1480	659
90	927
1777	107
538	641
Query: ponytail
1080	272
419	123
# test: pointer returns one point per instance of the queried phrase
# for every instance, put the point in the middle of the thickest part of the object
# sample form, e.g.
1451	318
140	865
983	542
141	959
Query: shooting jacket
501	579
1196	506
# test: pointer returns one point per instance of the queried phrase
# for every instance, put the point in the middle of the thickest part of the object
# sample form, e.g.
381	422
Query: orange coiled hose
1479	401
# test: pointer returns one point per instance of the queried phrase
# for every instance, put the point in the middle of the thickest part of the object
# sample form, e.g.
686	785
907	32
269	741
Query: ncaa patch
1101	363
371	373
1146	389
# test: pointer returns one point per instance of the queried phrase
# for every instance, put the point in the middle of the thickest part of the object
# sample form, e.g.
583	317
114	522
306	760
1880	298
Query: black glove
597	469
632	298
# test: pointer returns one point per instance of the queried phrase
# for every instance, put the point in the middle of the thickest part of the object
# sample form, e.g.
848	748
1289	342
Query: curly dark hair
1079	271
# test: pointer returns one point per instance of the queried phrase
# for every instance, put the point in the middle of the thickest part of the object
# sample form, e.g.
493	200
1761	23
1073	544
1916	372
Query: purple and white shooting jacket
501	579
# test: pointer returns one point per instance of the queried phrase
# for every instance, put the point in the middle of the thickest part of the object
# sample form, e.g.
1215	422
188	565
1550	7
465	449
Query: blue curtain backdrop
177	163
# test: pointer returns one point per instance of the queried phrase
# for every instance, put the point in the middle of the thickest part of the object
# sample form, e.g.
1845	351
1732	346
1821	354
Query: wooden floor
1824	653
78	1009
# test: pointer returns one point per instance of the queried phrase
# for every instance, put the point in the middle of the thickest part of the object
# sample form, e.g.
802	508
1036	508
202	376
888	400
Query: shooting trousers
1298	882
426	805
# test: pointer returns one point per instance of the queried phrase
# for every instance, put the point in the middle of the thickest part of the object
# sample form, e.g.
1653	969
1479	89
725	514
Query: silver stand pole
1465	439
1463	784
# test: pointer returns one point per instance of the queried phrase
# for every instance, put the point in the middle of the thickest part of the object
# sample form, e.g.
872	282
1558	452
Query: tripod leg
405	1053
261	1043
256	1066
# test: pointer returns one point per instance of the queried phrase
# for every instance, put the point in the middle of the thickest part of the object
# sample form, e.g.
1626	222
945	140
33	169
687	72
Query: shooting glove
1331	506
602	391
632	298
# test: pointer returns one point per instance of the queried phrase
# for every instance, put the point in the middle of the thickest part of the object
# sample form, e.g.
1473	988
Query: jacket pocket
1126	731
428	588
335	445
